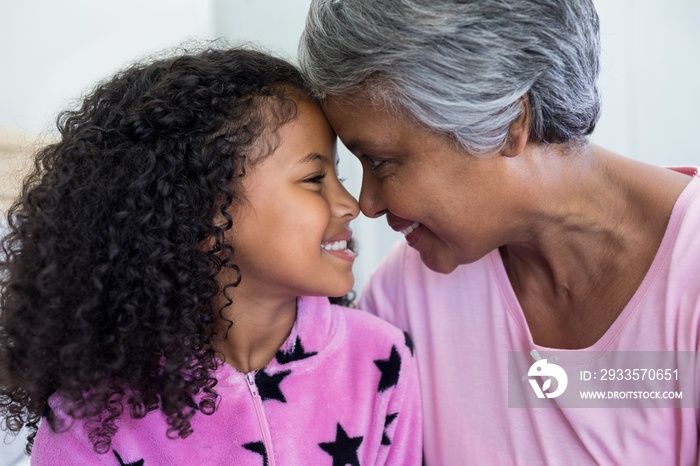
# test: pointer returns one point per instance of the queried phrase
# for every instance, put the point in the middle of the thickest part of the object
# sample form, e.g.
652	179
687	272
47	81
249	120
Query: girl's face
452	207
289	235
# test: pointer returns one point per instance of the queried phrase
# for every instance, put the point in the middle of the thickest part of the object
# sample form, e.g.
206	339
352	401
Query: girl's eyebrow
312	157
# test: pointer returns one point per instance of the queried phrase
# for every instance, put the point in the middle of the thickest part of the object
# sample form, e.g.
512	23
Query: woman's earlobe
519	131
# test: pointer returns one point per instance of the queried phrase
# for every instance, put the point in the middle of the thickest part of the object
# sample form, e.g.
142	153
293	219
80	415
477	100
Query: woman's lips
412	232
407	231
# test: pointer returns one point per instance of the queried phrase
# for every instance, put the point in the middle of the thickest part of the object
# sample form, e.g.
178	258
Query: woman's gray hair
462	67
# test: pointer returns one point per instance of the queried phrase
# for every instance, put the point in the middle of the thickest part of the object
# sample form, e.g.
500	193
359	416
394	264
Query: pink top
343	389
465	323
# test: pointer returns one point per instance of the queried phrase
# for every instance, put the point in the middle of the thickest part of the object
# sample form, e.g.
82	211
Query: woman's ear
519	131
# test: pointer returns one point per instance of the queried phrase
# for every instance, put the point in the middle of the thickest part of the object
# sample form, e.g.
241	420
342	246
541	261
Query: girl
162	288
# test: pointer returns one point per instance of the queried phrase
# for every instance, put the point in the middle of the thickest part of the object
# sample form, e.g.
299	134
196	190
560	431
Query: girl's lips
339	249
345	254
344	235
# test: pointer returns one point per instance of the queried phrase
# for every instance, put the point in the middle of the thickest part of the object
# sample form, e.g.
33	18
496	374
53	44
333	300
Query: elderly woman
470	119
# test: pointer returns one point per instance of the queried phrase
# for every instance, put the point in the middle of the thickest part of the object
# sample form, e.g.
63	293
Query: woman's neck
585	254
259	328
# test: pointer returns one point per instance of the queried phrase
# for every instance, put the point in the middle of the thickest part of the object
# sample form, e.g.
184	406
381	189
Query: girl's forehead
302	140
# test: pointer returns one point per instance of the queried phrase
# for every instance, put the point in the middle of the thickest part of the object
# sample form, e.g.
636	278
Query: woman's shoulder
685	240
683	227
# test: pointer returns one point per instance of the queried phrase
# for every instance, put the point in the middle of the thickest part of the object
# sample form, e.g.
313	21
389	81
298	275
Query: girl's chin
340	291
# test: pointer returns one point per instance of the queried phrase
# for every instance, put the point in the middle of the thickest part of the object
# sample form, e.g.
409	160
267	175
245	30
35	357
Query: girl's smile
338	245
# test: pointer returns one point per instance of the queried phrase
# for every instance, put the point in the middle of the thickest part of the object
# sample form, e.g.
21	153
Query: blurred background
53	52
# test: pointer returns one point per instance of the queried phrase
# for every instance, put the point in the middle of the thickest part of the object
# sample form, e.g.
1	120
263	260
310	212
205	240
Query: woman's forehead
364	126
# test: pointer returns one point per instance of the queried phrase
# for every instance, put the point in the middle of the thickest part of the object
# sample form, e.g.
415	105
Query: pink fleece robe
343	389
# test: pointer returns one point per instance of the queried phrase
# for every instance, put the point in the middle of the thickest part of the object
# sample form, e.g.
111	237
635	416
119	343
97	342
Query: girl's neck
260	327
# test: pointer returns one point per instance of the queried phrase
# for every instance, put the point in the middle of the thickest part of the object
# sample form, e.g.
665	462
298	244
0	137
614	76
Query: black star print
122	463
259	448
389	419
390	369
409	341
269	385
296	354
344	449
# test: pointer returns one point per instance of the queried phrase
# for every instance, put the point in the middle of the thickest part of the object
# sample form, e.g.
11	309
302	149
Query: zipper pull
250	377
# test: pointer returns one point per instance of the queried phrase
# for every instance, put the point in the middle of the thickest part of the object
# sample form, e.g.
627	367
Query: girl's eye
316	178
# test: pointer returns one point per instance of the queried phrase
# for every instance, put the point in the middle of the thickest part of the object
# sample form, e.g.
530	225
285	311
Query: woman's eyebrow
361	145
355	145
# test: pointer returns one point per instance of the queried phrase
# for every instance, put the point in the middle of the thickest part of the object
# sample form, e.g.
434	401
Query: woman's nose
371	202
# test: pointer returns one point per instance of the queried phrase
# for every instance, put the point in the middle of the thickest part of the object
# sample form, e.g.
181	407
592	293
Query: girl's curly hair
113	259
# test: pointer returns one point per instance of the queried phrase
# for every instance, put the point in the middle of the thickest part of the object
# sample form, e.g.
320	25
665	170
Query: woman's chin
438	263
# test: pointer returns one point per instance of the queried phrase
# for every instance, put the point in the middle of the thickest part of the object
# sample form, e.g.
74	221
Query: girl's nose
345	205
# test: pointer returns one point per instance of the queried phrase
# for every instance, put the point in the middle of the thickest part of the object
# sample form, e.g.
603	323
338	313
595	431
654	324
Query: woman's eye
374	164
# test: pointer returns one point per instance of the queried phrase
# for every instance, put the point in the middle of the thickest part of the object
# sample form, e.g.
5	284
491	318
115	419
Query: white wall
275	25
52	51
650	71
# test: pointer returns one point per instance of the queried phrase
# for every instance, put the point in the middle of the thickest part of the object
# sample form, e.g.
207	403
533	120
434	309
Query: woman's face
452	207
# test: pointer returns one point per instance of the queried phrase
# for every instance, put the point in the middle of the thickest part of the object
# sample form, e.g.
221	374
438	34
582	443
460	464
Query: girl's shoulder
367	332
359	349
363	322
321	321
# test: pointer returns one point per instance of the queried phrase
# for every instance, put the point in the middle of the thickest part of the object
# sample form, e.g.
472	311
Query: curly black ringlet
114	257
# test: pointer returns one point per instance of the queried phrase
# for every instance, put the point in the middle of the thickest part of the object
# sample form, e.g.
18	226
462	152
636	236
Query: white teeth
335	245
338	246
408	230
